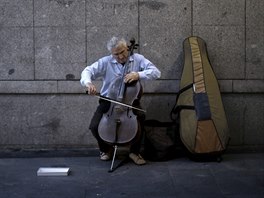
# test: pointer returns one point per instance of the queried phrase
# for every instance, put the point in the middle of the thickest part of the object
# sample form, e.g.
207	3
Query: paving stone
160	22
16	13
17	53
254	39
60	52
59	12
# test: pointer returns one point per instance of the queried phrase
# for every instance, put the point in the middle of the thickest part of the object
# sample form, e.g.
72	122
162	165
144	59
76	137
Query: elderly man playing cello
109	68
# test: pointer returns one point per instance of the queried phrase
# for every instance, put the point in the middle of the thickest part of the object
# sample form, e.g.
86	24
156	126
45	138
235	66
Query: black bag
159	142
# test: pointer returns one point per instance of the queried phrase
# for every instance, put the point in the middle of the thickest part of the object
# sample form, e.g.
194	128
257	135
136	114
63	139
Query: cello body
119	125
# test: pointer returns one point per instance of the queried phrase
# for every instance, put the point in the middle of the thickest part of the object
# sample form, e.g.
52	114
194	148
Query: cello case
199	109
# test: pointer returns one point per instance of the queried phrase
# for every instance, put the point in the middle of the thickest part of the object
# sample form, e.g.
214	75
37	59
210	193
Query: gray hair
114	42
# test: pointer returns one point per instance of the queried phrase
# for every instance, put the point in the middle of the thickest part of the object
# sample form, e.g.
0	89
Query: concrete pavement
238	175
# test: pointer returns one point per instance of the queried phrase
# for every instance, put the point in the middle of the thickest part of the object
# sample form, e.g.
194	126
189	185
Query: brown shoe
137	159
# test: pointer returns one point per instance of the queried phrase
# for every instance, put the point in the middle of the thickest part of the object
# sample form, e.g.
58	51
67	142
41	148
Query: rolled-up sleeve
148	71
88	74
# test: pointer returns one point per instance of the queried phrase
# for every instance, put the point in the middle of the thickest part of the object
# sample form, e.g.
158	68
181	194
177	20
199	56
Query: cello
119	125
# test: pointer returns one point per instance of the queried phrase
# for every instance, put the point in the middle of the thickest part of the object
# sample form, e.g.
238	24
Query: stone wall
45	44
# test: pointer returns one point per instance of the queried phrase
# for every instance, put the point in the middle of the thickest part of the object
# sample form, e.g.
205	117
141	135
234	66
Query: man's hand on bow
91	89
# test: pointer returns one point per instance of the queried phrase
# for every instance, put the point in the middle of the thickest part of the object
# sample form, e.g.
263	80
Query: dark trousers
105	147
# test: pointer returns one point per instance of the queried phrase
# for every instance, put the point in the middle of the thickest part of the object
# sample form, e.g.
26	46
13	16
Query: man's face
120	53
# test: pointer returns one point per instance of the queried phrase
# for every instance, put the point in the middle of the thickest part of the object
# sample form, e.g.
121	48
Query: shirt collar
113	60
